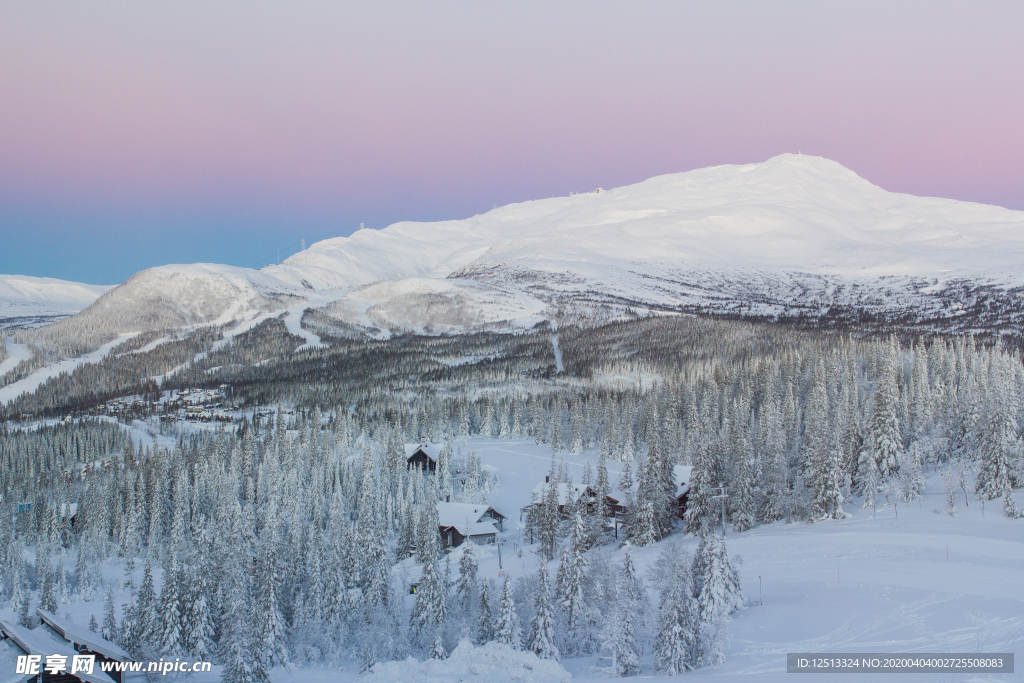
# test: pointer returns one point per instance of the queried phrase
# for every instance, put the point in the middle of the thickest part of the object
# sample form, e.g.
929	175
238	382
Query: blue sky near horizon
139	134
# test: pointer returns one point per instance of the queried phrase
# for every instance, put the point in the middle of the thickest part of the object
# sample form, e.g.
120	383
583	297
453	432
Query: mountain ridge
751	239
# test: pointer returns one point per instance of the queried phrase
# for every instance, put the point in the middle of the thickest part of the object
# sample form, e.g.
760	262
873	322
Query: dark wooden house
422	456
459	522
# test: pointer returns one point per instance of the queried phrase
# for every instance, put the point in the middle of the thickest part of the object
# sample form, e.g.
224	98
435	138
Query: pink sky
313	115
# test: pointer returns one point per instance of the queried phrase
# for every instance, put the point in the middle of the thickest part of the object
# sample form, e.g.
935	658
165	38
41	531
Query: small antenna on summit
303	245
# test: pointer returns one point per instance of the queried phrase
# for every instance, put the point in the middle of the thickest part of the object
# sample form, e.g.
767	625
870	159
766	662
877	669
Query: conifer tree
466	590
675	646
169	638
485	631
541	640
508	630
431	606
571	579
145	611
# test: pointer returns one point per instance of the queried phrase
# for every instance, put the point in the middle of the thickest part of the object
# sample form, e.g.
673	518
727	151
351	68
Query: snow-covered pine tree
271	629
485	630
719	596
741	489
239	648
910	478
602	487
109	628
949	485
675	646
145	610
198	621
541	640
468	586
999	446
508	630
883	440
431	607
547	520
444	473
700	513
572	577
45	576
771	444
169	636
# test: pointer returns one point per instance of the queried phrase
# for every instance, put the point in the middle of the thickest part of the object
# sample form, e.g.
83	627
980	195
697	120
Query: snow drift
492	663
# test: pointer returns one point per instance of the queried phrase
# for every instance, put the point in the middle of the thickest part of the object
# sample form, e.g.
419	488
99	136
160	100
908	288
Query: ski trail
16	353
558	353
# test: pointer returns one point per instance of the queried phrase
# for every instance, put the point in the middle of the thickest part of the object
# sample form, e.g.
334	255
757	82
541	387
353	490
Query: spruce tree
508	630
485	631
675	646
109	628
541	640
571	579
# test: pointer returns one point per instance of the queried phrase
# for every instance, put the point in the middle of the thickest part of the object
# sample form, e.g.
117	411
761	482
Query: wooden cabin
458	522
570	495
422	456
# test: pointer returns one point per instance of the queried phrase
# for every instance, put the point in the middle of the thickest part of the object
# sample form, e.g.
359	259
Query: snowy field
905	579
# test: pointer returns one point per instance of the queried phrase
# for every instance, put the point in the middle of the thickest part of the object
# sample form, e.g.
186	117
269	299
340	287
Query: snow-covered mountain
26	298
792	235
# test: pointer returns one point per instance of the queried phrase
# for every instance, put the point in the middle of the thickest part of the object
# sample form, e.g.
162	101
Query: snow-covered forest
289	540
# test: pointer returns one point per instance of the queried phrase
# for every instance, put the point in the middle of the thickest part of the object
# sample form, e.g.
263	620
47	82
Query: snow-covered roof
43	642
682	475
458	514
9	653
76	633
474	529
565	496
433	450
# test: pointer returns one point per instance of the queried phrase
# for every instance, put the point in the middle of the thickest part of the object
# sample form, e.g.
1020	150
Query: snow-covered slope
795	233
25	297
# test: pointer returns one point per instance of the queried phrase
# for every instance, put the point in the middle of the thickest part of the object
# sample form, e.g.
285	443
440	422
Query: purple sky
139	133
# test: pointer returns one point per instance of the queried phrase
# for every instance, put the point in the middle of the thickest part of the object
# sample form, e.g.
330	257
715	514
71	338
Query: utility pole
721	495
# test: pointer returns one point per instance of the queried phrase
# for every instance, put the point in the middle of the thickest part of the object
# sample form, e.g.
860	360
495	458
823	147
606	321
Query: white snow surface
16	354
491	663
668	242
25	296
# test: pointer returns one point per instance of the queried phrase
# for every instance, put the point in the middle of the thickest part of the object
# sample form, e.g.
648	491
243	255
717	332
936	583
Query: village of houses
522	471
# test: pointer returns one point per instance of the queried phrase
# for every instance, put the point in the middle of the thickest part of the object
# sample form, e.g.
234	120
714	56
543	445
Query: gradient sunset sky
134	134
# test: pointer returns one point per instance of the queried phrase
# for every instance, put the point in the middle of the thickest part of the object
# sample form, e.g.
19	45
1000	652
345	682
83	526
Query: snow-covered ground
23	296
872	583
